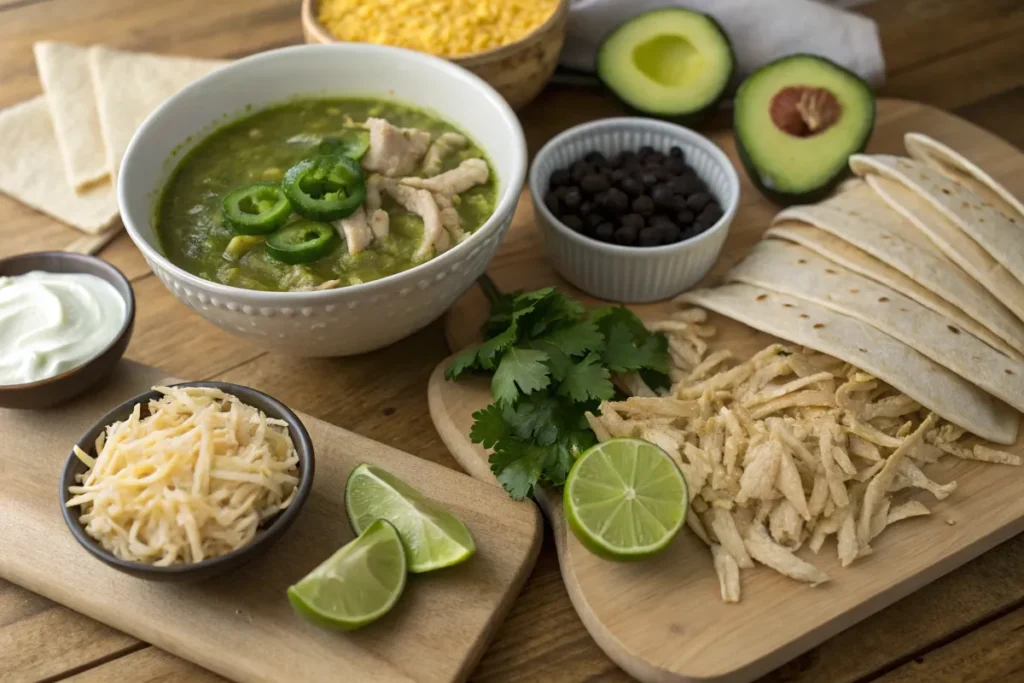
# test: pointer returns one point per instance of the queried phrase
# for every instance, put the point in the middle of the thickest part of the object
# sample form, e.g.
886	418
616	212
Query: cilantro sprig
550	361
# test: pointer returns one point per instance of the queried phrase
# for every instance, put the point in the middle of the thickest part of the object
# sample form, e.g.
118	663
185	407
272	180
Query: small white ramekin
633	274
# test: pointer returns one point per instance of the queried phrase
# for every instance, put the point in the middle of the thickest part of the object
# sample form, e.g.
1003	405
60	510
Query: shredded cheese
192	480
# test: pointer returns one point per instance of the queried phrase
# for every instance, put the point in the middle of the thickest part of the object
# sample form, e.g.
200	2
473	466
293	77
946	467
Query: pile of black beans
636	199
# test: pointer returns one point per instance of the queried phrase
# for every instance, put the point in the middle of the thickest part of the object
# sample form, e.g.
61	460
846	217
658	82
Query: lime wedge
433	537
625	499
356	585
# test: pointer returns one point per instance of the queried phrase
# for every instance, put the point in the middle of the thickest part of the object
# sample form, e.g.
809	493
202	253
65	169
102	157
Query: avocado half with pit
670	63
797	121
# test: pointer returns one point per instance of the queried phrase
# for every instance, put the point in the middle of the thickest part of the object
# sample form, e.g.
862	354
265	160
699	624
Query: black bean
678	202
616	201
711	213
699	200
560	177
594	183
684	217
586	208
596	159
676	166
662	195
618	175
573	221
632	187
579	170
646	150
572	199
679	186
662	173
643	205
561	190
649	237
648	178
551	201
689	232
605	232
633	220
676	152
591	221
626	236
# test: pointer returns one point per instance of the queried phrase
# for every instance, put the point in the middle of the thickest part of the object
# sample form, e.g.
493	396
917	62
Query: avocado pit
803	111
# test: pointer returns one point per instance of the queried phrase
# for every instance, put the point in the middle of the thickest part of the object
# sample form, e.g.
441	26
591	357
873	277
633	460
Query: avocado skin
690	119
822	191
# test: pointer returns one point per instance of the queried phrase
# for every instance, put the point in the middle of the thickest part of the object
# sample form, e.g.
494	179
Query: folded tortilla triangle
862	219
30	171
864	346
130	85
64	73
791	269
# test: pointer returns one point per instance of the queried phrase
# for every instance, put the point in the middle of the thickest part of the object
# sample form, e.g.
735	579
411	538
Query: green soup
195	236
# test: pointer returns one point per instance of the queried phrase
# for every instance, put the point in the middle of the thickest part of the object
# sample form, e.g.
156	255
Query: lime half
356	585
625	499
433	537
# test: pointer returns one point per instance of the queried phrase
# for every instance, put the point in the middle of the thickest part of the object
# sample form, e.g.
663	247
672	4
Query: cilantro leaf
577	339
518	466
520	370
534	418
623	353
587	380
558	362
467	360
489	427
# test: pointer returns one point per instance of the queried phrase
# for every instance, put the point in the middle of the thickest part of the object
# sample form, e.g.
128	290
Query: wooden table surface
963	55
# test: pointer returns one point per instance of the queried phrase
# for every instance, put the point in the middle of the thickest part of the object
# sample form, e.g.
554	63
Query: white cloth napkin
760	31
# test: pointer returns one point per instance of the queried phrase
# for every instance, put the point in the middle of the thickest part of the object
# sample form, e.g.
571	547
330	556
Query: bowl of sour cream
65	320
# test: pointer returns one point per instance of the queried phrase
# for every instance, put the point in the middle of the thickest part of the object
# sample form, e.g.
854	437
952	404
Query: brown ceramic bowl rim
72	257
468	60
265	536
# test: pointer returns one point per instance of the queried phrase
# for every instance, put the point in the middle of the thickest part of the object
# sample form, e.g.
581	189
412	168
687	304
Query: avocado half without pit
670	63
797	121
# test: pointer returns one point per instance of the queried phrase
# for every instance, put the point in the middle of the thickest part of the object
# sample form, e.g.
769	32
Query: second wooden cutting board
662	620
240	624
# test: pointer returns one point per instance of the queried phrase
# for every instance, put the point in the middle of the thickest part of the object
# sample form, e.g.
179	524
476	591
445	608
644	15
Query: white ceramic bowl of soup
356	318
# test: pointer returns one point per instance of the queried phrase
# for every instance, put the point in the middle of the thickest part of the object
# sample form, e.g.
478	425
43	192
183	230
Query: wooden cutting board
662	620
241	625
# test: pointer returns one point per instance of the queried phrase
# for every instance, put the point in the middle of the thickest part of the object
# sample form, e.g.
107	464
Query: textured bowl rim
505	206
310	9
303	447
126	325
682	133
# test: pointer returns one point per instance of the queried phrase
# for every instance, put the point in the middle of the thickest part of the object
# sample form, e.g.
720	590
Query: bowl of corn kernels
511	44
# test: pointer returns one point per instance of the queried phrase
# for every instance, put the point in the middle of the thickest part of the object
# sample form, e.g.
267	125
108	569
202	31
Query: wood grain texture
241	625
542	638
661	620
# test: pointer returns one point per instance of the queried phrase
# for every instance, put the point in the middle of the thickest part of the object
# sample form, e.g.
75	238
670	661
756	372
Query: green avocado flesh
669	62
797	122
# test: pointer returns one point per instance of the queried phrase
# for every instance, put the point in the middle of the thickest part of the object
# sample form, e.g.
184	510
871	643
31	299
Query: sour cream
52	322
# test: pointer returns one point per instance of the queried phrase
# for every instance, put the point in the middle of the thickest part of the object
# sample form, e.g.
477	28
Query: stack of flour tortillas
62	150
913	273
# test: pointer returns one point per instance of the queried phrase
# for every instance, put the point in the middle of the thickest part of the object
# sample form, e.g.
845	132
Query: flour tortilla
31	171
953	242
999	234
129	86
964	171
866	347
64	73
863	219
845	254
791	269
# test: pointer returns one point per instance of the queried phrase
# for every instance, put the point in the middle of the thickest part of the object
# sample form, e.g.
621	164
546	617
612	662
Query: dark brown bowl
268	533
52	391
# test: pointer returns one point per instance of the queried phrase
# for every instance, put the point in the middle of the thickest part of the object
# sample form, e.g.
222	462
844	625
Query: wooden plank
152	665
915	32
993	653
1000	112
28	650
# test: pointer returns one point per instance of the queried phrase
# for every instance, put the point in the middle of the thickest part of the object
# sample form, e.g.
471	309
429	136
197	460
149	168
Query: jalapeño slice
303	241
325	188
256	209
